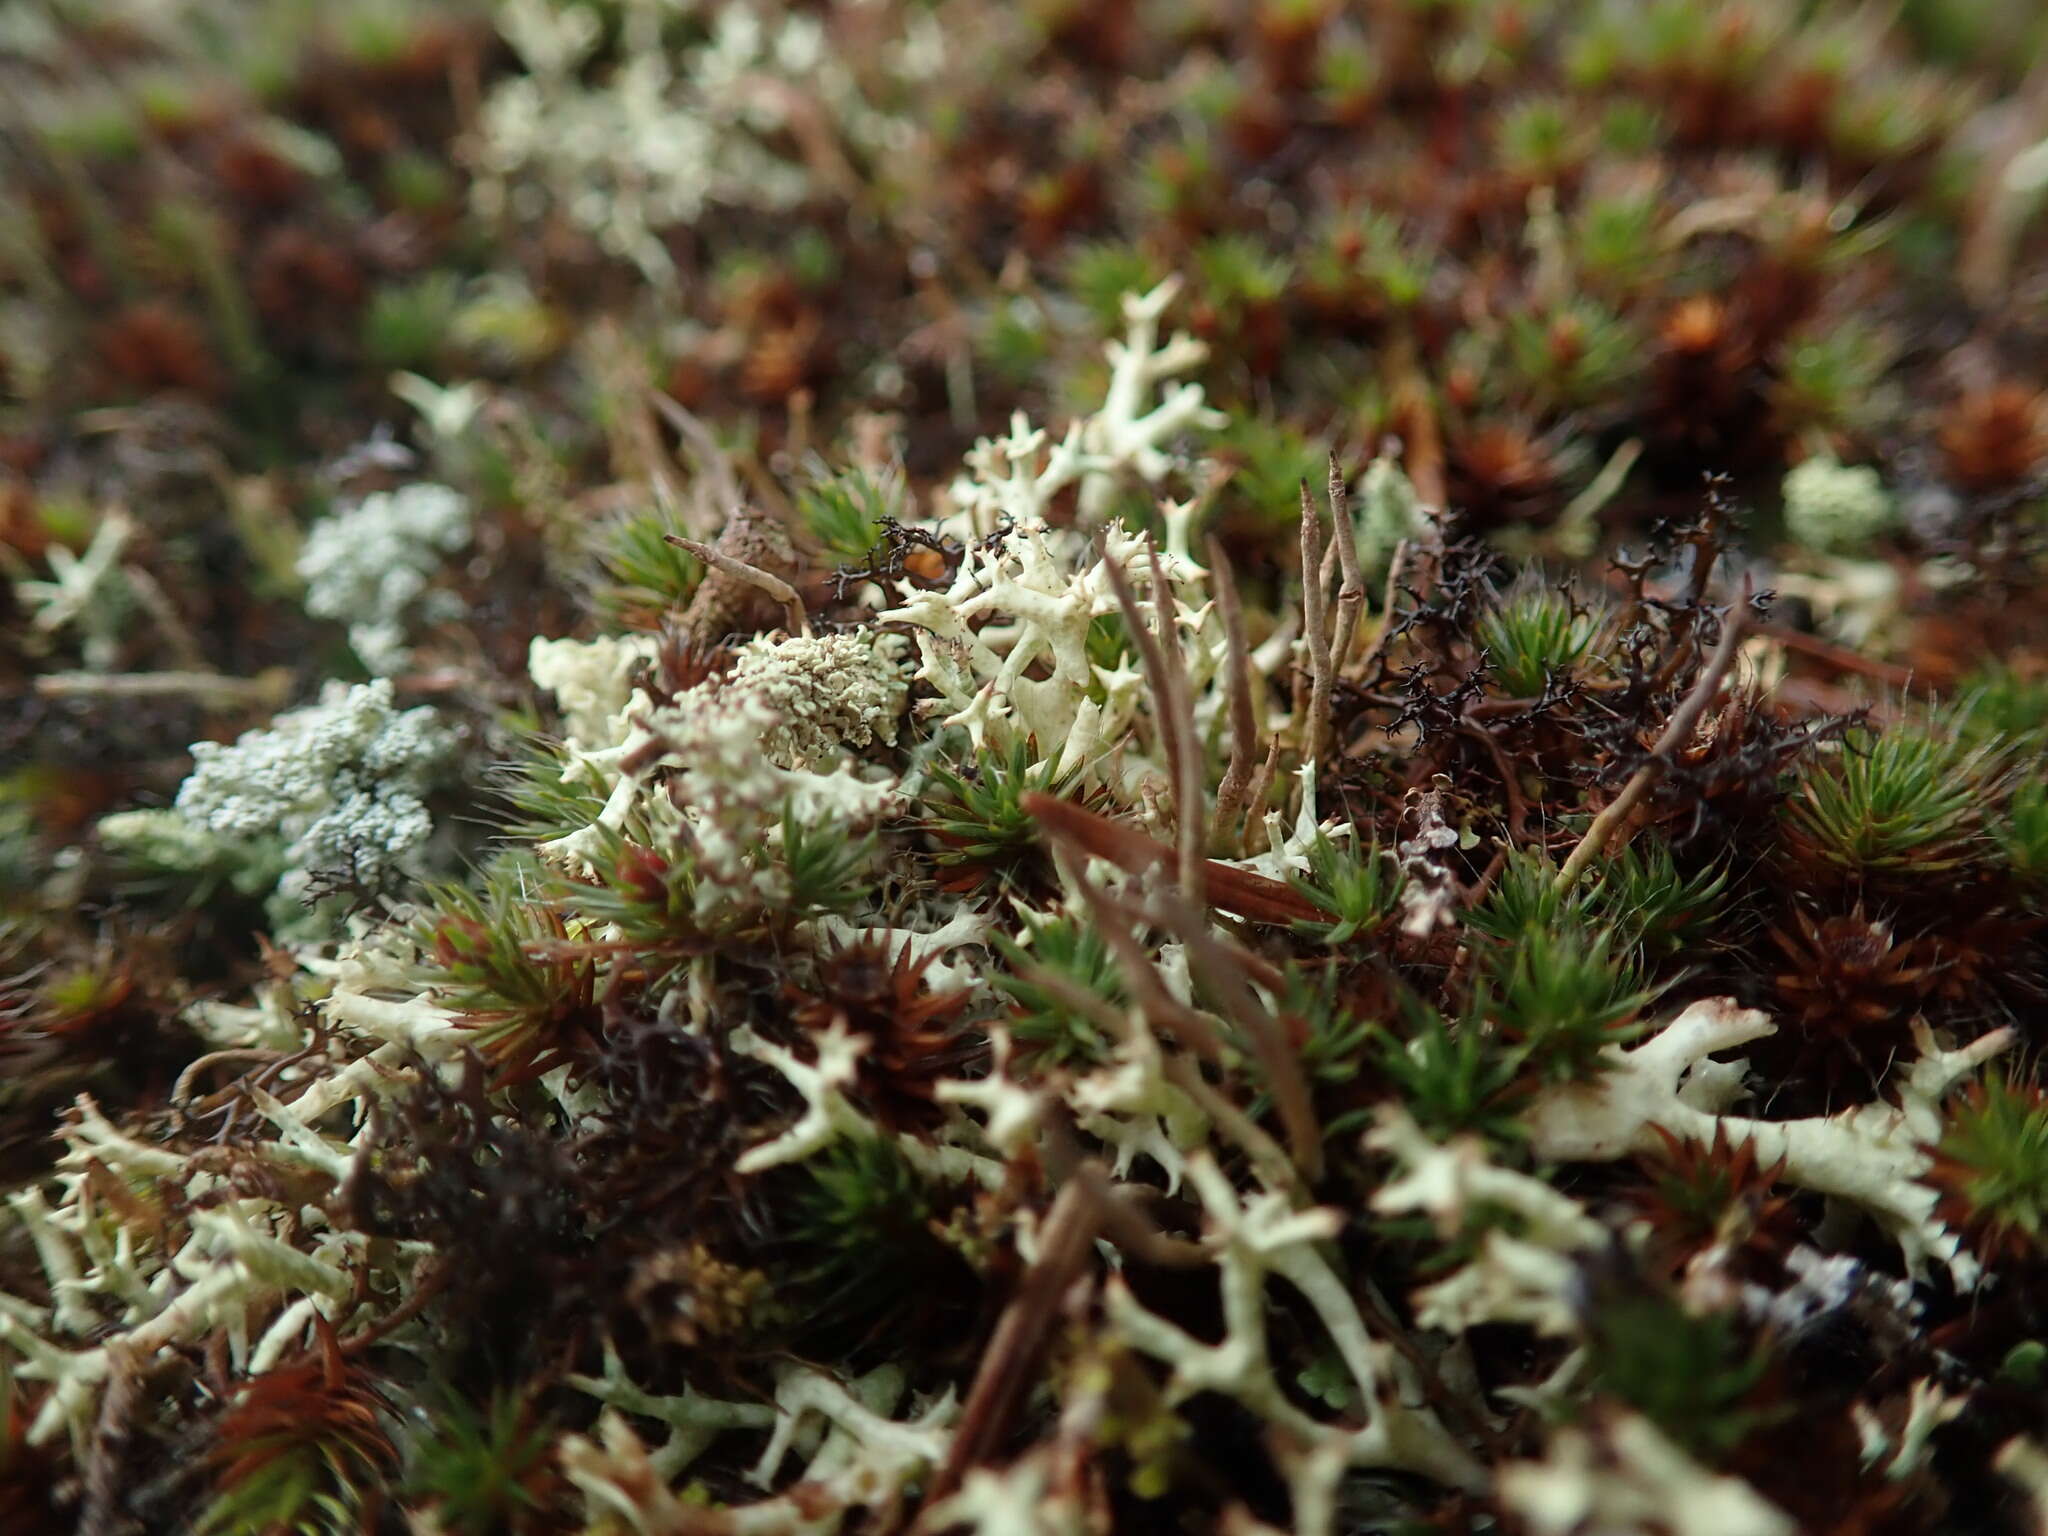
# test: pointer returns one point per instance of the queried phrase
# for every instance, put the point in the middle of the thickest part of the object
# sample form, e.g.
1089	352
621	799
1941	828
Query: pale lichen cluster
329	797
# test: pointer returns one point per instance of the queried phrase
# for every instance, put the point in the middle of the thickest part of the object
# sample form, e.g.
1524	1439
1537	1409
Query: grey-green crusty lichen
369	565
829	694
329	797
1835	508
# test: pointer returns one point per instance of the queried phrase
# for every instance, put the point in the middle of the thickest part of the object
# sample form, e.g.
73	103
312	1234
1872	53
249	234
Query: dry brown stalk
1315	628
753	575
1351	595
1237	775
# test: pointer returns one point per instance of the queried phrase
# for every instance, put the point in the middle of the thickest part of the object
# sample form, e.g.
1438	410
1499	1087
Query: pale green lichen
369	565
328	797
1836	508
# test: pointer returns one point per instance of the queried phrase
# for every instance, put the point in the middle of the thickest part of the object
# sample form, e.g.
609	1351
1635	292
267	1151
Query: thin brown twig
753	575
214	690
637	449
1237	775
712	459
1267	1155
1126	1225
1676	731
1065	1240
1315	628
1240	892
1262	784
1351	595
150	594
1160	1007
1151	653
1180	709
1122	1222
112	1432
1469	1417
1221	971
1070	994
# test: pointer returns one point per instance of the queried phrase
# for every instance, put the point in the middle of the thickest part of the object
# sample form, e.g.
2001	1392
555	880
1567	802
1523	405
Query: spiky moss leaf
1328	1039
2023	835
1076	950
1538	137
1691	1375
1615	239
1694	1187
864	1229
1100	274
639	578
976	808
829	870
846	512
1832	379
302	1449
1347	75
1909	799
1563	995
1014	338
500	954
1533	633
1109	638
541	800
1640	895
641	897
1271	460
1524	895
483	1468
1359	888
1454	1076
1390	266
1991	1166
409	325
1997	704
1574	354
1235	272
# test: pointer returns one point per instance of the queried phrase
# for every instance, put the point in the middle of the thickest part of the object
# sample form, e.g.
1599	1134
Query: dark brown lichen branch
1684	720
